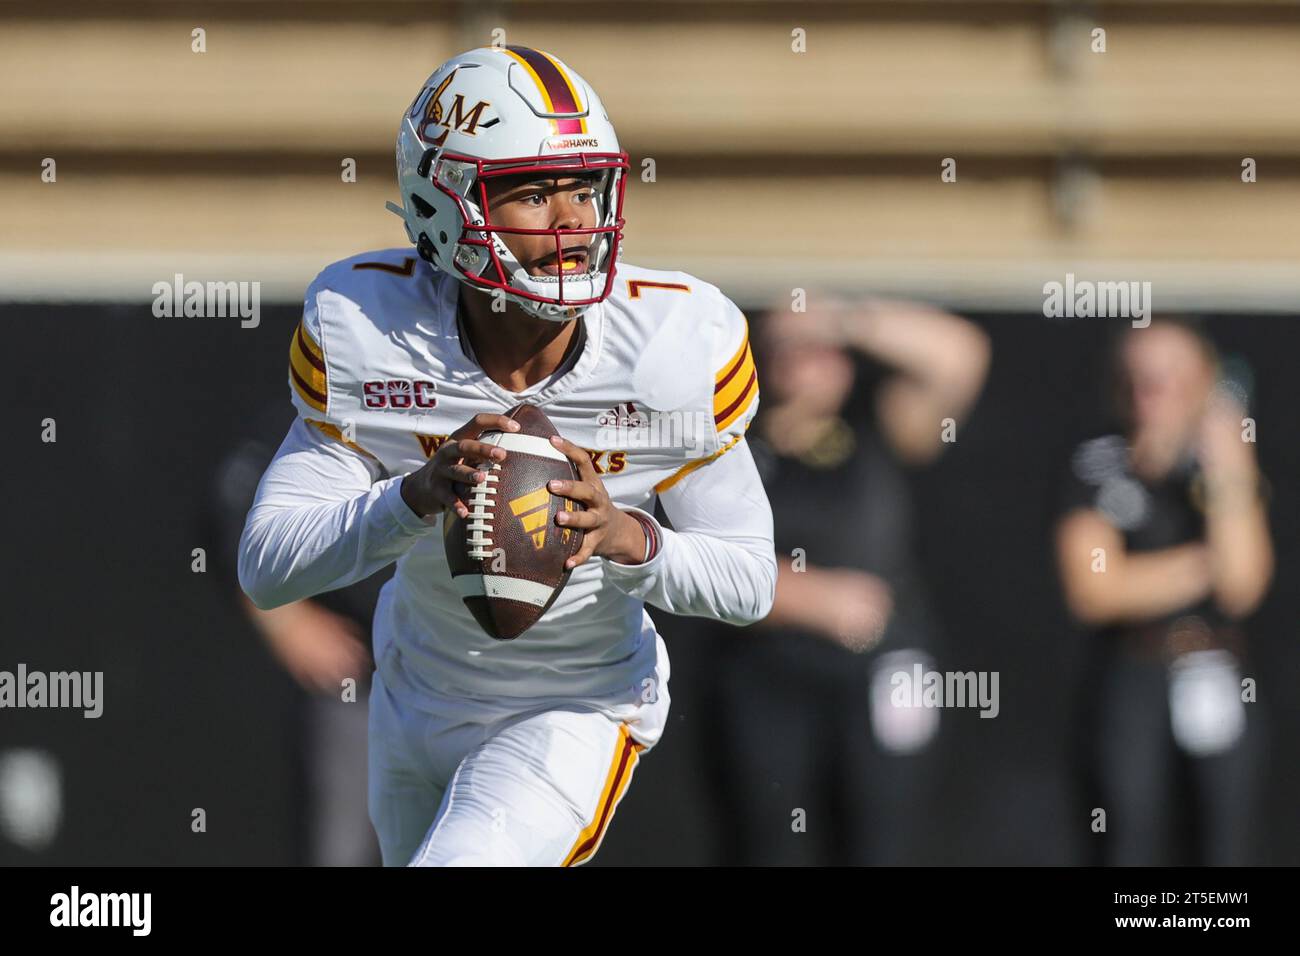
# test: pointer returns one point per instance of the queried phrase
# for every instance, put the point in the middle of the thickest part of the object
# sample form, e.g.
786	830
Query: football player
513	752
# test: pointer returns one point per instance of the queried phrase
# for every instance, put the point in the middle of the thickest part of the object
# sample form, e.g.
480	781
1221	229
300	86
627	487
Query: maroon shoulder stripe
740	399
307	352
736	367
306	389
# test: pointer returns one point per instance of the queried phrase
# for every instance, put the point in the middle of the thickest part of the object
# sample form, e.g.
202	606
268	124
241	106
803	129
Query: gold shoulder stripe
735	387
723	419
311	398
733	364
307	369
333	432
309	346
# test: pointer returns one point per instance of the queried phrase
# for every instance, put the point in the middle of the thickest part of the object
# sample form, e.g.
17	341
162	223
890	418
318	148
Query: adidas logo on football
624	415
532	510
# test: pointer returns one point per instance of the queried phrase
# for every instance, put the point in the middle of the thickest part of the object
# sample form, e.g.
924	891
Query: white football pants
480	783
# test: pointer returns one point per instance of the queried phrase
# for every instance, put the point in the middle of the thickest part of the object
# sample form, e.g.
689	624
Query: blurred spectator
1164	548
815	765
320	642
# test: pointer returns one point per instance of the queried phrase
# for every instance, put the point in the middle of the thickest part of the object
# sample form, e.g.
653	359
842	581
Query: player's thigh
540	792
402	799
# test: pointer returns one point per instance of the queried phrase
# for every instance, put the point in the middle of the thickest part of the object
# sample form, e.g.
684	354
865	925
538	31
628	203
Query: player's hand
607	531
433	487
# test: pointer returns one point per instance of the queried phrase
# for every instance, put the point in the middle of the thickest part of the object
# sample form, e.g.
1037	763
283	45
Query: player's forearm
289	552
320	521
720	562
698	575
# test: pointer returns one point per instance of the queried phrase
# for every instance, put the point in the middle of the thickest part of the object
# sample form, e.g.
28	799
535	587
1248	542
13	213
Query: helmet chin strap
549	311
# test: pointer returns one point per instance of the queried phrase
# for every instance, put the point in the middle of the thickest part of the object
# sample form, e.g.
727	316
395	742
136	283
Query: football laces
482	505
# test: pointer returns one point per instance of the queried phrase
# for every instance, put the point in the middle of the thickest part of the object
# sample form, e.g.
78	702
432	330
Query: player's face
1169	376
530	202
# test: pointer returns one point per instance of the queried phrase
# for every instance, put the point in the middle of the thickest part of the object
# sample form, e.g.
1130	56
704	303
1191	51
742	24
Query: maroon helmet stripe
557	87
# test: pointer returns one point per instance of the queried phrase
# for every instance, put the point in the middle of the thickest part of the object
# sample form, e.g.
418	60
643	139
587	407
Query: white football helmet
502	111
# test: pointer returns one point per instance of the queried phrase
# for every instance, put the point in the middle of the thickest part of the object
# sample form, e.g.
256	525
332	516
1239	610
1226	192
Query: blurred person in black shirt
816	767
1164	548
321	642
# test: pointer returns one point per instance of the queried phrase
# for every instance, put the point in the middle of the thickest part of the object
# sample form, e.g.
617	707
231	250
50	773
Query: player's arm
718	560
325	514
720	563
320	521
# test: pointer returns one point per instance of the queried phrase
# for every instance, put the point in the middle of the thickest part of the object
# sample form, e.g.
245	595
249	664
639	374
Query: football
507	557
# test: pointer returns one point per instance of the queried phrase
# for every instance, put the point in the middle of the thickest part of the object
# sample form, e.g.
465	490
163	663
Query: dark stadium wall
103	522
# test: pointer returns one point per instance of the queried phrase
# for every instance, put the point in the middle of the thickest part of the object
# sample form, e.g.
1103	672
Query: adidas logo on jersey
624	415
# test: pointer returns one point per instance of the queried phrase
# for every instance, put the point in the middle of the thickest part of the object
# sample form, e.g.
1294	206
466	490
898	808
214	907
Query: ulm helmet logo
456	118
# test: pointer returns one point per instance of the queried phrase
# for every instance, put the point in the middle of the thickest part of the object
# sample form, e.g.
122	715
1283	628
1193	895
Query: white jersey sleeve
320	521
718	560
327	513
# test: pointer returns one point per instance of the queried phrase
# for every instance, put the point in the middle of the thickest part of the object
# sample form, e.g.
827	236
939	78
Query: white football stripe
528	444
500	586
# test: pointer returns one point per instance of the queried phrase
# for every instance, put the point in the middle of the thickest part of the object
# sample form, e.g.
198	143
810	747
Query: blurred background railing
772	168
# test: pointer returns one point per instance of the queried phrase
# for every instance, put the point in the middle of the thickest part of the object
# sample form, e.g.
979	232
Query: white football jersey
661	387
